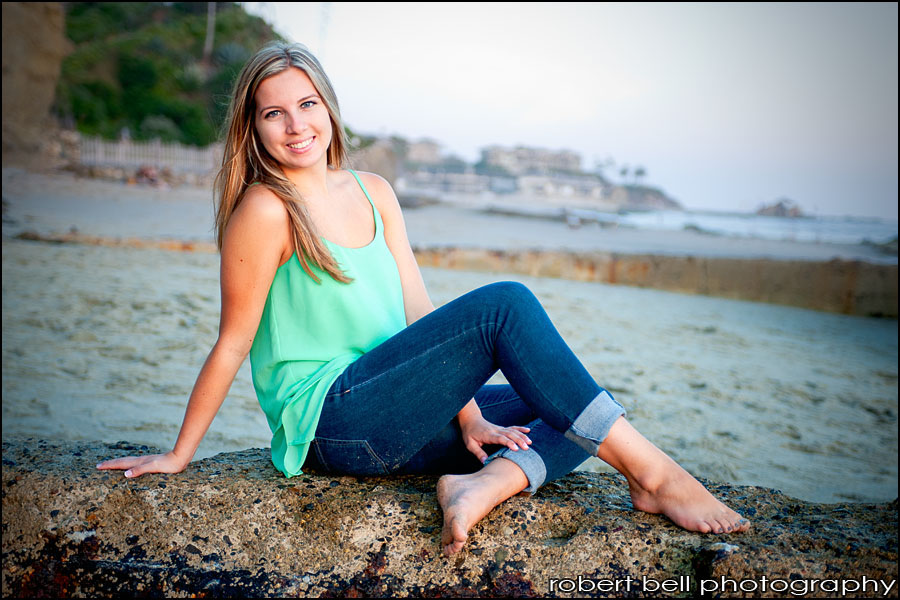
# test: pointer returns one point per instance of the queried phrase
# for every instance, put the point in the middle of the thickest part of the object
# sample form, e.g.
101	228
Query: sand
105	343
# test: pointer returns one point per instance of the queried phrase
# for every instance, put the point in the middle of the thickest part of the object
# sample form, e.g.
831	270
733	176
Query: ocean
828	230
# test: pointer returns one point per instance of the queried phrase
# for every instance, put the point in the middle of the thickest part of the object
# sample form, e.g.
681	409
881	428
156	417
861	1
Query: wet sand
104	344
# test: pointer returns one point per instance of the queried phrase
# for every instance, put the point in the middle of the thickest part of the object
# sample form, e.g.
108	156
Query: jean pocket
348	457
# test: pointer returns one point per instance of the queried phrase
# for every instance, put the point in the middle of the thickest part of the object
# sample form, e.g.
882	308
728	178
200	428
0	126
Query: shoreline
467	233
56	202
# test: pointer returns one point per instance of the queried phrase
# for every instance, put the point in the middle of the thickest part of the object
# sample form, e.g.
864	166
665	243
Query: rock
888	247
841	286
782	208
232	525
847	287
34	44
639	197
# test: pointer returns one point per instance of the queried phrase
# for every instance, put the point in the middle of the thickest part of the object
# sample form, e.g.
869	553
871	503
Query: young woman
355	369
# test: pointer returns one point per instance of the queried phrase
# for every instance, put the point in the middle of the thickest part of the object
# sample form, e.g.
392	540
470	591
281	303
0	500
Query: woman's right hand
135	466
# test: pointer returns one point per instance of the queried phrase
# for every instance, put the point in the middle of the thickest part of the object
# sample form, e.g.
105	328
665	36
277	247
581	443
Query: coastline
53	203
856	279
486	224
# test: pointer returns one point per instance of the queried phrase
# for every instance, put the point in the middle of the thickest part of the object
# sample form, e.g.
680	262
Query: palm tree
639	173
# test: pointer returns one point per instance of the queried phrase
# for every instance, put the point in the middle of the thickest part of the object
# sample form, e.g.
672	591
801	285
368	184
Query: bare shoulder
260	221
261	204
381	191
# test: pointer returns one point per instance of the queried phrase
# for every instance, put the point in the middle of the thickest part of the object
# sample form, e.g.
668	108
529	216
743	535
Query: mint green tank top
310	332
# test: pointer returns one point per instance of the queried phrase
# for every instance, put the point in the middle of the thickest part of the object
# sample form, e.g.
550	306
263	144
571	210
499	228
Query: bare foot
687	503
452	496
659	485
466	499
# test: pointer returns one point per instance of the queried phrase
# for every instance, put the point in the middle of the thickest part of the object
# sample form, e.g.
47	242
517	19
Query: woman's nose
295	122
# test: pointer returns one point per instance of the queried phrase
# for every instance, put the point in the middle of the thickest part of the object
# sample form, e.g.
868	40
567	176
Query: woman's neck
312	183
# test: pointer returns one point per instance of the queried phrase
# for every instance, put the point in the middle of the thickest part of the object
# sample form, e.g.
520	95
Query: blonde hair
246	161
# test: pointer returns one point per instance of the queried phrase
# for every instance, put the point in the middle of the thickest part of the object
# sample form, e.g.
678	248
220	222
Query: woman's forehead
289	85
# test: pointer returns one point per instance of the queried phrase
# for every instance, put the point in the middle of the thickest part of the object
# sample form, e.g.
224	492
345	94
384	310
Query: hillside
139	68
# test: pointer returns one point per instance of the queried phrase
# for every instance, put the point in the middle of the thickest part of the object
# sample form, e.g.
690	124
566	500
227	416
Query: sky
726	106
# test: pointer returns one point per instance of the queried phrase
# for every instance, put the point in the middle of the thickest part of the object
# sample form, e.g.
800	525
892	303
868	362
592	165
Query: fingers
513	438
140	469
475	448
125	462
134	466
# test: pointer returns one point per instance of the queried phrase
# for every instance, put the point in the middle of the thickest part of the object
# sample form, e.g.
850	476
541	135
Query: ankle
645	466
504	474
662	478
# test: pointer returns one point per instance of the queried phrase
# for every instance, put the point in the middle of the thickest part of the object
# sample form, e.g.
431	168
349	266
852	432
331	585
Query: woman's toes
705	526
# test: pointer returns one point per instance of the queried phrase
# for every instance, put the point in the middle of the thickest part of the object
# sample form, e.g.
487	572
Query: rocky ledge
231	525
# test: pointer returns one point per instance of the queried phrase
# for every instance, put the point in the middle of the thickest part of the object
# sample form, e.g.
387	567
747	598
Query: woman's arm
255	244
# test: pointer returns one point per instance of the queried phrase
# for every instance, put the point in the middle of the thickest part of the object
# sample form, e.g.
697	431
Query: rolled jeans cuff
593	424
529	461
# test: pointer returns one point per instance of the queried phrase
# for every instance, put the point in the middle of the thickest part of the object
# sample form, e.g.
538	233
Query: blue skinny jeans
392	410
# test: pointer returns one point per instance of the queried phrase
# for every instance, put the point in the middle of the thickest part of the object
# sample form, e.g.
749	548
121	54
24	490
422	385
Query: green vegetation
140	67
484	168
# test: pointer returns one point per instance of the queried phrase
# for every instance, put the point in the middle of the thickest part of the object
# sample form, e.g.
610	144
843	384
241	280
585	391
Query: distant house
426	152
523	160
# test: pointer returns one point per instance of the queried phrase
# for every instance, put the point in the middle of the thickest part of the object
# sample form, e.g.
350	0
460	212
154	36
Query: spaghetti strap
365	191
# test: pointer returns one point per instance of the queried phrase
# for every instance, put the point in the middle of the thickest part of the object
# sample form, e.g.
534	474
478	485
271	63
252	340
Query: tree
639	174
400	146
210	34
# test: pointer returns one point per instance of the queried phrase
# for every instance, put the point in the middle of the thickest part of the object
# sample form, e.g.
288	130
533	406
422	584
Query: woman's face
292	121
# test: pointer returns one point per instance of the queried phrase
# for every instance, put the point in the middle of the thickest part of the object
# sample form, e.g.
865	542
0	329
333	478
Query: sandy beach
104	343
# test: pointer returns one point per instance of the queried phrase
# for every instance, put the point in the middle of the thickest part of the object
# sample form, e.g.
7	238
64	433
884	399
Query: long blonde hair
246	160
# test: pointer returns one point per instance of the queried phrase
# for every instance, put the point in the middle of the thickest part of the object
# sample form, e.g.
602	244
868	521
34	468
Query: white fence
125	153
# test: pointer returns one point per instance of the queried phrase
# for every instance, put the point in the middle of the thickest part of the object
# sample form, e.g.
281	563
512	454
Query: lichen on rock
232	525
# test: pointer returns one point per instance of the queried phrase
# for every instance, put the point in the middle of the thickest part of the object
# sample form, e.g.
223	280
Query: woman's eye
273	112
308	104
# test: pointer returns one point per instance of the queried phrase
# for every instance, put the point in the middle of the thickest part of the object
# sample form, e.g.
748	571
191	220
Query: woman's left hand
478	431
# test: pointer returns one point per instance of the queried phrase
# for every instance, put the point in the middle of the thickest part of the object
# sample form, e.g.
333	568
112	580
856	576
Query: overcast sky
726	106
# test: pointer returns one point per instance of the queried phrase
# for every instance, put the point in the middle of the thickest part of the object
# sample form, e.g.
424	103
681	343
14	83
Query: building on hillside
523	160
426	152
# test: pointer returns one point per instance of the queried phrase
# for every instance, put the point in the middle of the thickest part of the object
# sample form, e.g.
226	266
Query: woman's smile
301	146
